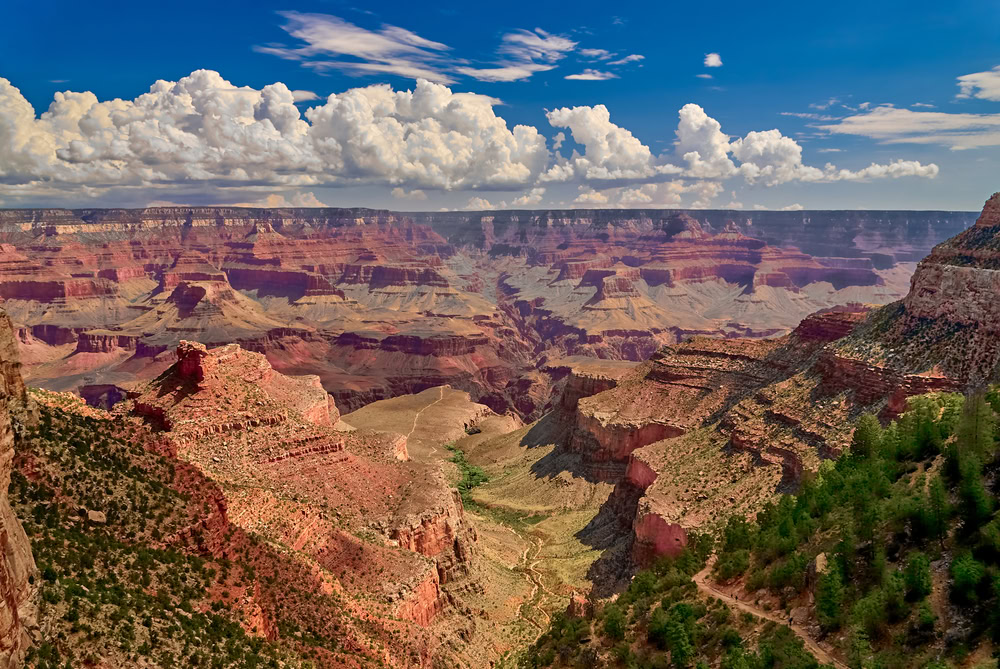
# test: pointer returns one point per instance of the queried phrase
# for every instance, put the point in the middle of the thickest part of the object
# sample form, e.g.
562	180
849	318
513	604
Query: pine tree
680	644
977	503
976	427
614	622
966	575
889	446
829	599
867	436
859	648
917	576
940	509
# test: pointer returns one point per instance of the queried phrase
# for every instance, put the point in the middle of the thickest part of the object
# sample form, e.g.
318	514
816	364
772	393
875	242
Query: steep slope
142	563
949	321
270	443
17	567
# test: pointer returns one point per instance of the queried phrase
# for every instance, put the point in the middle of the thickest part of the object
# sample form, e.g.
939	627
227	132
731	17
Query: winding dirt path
705	586
534	577
416	417
537	574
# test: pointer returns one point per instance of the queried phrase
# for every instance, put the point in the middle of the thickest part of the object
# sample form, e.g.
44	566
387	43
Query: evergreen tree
614	622
939	508
977	503
976	428
895	596
966	575
681	649
917	576
867	436
859	649
830	598
889	445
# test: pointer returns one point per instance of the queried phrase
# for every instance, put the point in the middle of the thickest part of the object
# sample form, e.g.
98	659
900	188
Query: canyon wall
754	416
948	323
710	427
17	567
379	303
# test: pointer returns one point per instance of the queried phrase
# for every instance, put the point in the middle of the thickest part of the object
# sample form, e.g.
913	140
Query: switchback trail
533	577
701	580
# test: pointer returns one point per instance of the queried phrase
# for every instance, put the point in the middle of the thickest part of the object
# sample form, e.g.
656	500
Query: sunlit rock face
948	325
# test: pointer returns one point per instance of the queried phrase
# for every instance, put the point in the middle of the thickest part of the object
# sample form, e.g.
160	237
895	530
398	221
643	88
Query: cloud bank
203	131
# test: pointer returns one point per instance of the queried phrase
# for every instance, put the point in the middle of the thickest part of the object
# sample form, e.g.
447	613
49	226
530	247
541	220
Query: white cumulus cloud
702	145
403	194
304	96
203	131
531	198
279	201
478	203
610	151
713	60
203	128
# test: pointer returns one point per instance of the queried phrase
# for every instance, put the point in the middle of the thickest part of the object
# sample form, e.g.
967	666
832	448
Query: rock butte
264	436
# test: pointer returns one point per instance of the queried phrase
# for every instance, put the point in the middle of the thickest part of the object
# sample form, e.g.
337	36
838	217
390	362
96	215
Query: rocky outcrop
582	377
96	341
833	324
949	322
871	383
711	427
424	602
17	568
440	533
655	537
602	438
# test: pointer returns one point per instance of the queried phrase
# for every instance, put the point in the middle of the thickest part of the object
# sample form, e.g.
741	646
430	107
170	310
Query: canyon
380	303
325	382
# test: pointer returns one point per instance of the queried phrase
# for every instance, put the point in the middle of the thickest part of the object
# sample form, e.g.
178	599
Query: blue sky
871	87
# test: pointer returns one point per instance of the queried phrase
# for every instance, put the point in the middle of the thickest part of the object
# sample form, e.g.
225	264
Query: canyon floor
534	517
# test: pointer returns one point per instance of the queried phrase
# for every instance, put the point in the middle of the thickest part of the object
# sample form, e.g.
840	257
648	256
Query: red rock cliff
17	567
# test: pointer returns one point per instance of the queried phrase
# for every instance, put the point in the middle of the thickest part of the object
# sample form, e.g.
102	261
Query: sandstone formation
17	568
948	324
710	426
269	441
379	303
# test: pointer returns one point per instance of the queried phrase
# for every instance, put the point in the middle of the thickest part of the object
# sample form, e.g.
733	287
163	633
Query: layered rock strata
379	303
948	323
271	443
711	427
